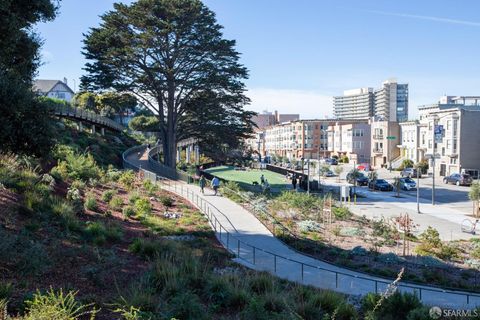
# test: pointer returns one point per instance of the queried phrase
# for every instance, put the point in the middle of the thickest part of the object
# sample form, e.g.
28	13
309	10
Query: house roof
46	86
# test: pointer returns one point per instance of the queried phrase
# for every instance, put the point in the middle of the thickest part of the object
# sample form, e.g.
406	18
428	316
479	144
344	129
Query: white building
410	141
53	89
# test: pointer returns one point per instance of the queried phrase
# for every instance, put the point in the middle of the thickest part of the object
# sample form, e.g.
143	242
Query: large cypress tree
25	125
166	52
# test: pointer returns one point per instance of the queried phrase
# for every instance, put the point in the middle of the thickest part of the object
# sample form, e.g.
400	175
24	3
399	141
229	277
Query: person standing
202	183
262	179
215	184
294	182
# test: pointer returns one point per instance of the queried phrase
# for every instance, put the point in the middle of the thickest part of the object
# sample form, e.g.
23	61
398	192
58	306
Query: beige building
351	139
267	119
384	144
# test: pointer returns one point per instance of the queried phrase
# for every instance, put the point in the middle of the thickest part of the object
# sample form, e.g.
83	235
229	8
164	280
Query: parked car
329	173
362	180
331	161
460	179
297	167
380	184
407	184
409	173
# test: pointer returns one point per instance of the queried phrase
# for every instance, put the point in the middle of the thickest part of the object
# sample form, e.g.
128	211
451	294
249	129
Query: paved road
242	231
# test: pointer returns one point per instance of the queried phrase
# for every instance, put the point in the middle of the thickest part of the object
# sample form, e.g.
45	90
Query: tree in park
25	124
170	54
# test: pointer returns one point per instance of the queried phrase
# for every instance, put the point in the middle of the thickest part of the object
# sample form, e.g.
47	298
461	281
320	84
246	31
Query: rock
172	215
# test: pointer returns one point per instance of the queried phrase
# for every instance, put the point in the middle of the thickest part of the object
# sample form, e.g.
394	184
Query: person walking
202	183
262	179
215	184
294	182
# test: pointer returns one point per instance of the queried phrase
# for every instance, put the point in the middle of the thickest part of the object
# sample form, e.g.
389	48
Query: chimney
65	81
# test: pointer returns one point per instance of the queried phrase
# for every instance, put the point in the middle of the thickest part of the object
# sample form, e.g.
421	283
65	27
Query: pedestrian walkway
255	247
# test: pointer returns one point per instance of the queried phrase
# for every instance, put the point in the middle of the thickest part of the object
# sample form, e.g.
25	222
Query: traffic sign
391	138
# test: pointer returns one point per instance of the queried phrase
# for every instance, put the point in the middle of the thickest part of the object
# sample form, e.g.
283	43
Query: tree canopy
169	54
25	125
107	104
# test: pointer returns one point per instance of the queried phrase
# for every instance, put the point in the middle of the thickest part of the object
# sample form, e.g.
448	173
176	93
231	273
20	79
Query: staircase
397	161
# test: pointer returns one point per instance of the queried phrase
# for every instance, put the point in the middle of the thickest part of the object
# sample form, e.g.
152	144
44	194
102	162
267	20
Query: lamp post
418	189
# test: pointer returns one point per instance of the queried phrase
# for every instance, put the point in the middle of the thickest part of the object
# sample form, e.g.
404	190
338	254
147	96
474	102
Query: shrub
98	233
232	190
309	226
56	305
150	187
6	290
91	203
186	305
108	195
301	201
116	203
134	196
145	248
396	306
66	212
407	163
127	179
82	167
341	213
143	206
166	200
128	211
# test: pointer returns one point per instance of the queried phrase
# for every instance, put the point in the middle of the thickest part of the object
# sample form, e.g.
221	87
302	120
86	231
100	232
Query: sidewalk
241	230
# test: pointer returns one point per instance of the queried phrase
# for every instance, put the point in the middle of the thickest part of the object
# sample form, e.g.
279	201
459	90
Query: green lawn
245	178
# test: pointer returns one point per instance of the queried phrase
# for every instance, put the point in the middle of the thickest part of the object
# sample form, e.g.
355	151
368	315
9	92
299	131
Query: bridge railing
296	270
81	114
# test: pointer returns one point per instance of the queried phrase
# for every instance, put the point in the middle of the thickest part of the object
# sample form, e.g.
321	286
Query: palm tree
474	195
355	173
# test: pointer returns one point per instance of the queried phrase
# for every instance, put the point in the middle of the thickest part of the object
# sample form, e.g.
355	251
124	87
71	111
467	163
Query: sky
300	53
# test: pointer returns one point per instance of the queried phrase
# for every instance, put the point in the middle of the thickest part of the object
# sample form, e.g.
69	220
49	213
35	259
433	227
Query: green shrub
134	196
127	179
145	248
167	201
6	290
232	190
116	203
396	306
186	305
91	203
98	233
150	187
298	200
128	211
107	195
143	206
66	212
56	305
407	163
341	213
81	167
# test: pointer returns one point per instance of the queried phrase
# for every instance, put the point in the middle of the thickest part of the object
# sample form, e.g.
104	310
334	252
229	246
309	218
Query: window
449	124
449	144
443	151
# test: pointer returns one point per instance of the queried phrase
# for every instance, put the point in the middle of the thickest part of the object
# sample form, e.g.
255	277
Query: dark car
362	180
409	173
460	179
331	161
380	184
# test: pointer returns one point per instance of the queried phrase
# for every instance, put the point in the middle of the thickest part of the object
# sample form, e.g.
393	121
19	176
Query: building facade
267	119
354	104
410	133
351	139
389	103
53	89
384	143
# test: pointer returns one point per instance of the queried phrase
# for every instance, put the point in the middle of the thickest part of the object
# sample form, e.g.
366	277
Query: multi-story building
256	143
266	119
297	139
410	141
354	104
389	103
351	139
385	141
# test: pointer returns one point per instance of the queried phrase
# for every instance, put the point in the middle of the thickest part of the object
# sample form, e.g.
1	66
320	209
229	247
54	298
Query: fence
294	269
81	114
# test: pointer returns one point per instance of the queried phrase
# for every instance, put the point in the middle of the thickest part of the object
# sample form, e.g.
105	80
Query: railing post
253	255
336	279
228	239
275	263
376	286
302	271
238	248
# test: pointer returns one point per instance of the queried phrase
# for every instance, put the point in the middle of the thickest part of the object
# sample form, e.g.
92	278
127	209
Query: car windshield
408	180
381	181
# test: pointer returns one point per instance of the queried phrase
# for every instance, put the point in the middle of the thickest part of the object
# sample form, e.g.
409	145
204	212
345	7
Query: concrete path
244	235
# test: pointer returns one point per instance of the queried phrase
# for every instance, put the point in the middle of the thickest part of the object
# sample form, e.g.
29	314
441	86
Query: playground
247	178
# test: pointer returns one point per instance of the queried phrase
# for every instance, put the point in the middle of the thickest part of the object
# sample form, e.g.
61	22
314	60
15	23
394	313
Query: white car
407	184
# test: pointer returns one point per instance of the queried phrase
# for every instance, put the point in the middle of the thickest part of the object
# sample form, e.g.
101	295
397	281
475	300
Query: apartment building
351	139
298	139
410	141
266	119
384	144
354	104
256	143
450	131
389	103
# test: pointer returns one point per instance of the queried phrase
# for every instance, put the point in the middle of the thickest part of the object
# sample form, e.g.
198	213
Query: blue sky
302	52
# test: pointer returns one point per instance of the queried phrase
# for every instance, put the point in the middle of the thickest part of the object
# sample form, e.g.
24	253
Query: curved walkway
255	247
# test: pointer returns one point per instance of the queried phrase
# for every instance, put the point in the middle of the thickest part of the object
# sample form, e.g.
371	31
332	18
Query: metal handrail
204	206
78	113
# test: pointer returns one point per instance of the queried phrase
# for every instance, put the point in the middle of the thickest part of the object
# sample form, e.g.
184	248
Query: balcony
378	151
378	136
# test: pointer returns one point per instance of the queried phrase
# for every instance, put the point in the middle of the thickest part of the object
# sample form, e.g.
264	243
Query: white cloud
309	104
430	18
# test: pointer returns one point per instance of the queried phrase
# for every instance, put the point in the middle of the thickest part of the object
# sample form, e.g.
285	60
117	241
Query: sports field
246	178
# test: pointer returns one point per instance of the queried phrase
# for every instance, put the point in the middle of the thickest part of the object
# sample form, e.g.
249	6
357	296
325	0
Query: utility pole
433	163
418	189
308	176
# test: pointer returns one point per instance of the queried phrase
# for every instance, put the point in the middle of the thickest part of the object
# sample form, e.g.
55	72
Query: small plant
91	203
133	197
98	233
143	206
309	226
127	179
341	213
108	195
116	203
128	211
336	231
166	201
57	305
